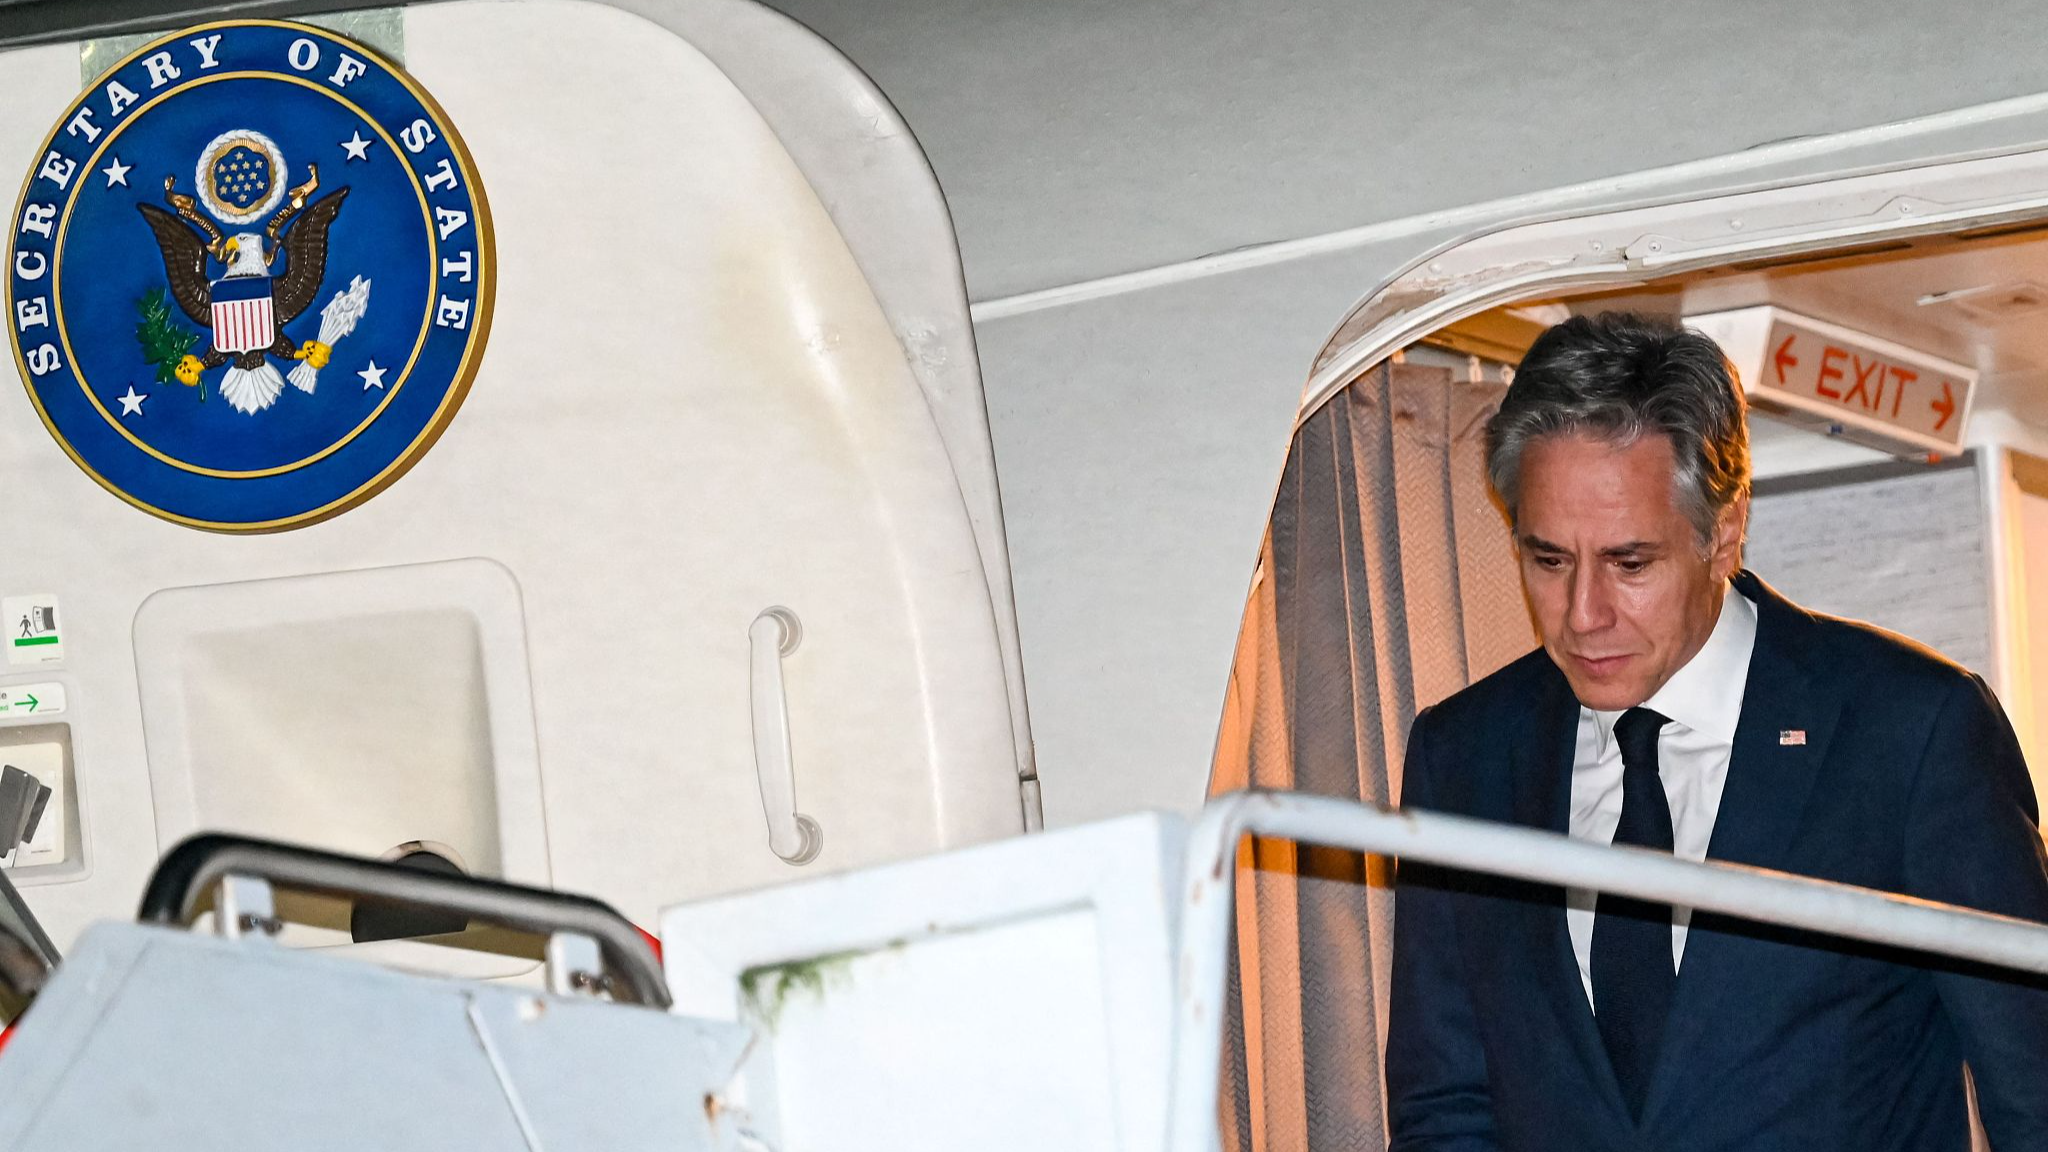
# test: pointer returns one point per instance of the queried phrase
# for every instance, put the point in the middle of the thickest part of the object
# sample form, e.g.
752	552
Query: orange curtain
1386	582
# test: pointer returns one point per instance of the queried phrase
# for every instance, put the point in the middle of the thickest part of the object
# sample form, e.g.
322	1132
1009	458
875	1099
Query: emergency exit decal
33	635
1898	398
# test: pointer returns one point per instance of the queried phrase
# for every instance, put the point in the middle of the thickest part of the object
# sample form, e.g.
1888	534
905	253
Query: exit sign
1872	389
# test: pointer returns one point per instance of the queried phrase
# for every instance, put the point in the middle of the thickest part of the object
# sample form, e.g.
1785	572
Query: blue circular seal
250	276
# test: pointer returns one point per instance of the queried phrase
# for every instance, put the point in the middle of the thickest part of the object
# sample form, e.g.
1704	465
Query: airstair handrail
198	865
1523	853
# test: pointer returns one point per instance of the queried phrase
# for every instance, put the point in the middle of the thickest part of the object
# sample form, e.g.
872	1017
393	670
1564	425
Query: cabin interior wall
2014	485
2032	516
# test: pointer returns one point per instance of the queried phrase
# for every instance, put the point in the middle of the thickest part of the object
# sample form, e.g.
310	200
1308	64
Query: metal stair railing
1469	845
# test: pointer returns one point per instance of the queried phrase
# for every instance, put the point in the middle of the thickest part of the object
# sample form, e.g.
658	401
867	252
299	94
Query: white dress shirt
1703	699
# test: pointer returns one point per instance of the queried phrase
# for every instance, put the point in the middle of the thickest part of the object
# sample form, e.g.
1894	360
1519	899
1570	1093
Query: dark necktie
1633	975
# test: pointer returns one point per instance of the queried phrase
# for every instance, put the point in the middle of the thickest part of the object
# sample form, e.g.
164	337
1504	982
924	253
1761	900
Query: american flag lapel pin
1792	736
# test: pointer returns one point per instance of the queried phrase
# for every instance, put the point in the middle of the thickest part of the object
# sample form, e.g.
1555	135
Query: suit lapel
1543	765
1542	797
1769	775
1780	743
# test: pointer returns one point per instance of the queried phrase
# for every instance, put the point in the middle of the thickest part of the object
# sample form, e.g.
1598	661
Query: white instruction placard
20	701
33	629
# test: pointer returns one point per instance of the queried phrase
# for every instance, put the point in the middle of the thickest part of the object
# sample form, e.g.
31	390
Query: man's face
1613	569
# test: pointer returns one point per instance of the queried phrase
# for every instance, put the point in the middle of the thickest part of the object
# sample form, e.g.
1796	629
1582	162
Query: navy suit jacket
1909	780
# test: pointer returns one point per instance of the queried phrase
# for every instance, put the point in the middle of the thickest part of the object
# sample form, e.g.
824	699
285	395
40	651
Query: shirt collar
1705	694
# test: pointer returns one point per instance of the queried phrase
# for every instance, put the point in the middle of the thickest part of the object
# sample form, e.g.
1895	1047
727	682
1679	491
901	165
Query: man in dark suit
1678	703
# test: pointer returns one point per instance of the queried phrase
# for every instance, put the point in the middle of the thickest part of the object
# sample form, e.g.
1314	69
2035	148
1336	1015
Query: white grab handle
795	837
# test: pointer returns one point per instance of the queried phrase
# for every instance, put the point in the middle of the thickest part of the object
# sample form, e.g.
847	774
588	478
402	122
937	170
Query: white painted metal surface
1014	996
232	1046
698	399
882	195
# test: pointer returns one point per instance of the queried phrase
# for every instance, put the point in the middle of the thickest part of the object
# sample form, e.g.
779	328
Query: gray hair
1620	376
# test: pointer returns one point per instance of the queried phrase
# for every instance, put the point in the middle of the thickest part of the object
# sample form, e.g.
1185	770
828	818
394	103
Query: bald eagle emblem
188	272
265	280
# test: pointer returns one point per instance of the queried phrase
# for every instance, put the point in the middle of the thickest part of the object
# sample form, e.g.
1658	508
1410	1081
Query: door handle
793	836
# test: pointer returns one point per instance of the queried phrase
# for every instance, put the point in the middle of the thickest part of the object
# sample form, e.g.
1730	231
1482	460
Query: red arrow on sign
1946	405
1784	358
